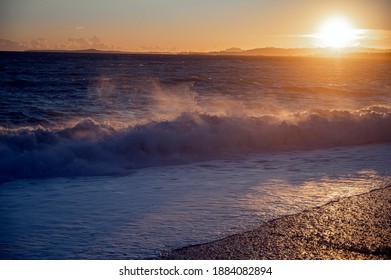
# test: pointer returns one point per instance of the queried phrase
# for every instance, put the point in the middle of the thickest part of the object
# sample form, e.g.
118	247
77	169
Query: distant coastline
343	52
76	51
267	52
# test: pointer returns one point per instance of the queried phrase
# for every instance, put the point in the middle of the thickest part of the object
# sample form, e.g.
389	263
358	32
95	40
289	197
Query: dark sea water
110	156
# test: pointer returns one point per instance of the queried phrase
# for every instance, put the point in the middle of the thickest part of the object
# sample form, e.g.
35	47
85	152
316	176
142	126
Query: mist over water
63	89
122	156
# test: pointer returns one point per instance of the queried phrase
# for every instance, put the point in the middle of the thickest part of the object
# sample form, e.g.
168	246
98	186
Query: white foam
92	148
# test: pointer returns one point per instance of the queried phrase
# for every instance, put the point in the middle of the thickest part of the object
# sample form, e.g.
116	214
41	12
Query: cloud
377	34
376	38
371	38
80	27
92	43
97	43
34	44
8	45
39	44
77	43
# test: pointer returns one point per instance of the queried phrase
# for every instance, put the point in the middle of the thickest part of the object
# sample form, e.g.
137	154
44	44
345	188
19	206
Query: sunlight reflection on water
166	207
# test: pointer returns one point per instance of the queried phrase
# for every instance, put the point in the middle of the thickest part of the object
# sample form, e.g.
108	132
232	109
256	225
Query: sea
127	156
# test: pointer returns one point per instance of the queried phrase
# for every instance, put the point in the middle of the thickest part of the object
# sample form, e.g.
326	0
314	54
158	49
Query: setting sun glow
337	33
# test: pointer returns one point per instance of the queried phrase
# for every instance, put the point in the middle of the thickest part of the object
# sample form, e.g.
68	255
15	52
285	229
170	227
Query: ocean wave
93	148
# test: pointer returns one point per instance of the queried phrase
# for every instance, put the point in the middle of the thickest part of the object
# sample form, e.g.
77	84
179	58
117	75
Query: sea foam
93	148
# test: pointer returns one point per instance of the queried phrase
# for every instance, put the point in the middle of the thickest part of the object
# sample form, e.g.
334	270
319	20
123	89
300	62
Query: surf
98	148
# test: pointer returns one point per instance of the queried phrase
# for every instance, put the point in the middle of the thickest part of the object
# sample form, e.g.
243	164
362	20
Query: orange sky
185	25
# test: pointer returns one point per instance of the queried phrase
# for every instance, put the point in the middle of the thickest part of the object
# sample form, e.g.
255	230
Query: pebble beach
352	228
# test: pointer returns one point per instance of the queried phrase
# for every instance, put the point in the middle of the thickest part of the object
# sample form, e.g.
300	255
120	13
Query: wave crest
92	148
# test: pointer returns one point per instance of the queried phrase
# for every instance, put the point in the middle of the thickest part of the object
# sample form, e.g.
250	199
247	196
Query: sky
188	25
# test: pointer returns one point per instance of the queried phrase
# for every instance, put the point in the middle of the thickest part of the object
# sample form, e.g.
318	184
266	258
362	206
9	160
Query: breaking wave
92	148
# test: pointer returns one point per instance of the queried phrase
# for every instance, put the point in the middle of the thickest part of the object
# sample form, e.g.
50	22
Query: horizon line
349	52
228	51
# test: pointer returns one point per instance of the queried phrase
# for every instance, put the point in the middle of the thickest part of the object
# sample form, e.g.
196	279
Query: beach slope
357	227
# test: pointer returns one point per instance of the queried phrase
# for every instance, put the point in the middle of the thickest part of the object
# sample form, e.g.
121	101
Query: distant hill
97	51
233	50
271	51
76	51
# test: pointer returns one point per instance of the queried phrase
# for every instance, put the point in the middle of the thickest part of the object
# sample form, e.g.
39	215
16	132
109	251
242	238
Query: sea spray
92	148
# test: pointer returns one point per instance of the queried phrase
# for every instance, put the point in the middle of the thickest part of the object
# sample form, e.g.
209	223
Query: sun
337	32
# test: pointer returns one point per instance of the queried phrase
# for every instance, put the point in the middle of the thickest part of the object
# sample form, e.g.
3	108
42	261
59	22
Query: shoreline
351	228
